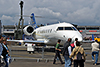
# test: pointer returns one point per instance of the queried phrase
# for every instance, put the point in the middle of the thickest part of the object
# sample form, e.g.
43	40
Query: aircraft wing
29	41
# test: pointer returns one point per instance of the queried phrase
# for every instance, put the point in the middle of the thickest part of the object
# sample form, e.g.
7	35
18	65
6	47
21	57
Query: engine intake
28	30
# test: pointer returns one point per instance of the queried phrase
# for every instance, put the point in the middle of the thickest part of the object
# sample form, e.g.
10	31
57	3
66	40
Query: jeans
6	61
67	61
0	60
96	53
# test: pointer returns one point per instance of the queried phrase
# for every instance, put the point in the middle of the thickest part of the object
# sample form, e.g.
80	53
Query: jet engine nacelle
28	30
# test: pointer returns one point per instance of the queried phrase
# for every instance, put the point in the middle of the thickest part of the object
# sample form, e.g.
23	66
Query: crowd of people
71	52
4	51
75	53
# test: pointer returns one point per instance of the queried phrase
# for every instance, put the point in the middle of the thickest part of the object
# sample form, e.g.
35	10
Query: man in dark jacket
5	52
67	52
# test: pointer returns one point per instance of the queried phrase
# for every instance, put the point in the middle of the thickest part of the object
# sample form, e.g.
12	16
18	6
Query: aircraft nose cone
80	39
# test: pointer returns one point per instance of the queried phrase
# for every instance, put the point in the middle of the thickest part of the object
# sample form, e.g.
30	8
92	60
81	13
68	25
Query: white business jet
51	33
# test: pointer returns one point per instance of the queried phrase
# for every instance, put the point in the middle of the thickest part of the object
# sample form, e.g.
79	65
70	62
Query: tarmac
29	63
26	62
21	58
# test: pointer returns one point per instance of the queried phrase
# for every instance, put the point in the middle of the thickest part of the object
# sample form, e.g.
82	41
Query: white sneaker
92	60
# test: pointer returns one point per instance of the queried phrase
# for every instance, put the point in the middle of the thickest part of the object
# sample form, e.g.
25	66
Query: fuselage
54	32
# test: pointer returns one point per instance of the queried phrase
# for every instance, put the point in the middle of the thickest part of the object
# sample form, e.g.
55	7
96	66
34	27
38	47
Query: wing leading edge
29	41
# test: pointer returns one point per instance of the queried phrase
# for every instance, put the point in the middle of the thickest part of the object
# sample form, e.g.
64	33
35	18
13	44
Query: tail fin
92	37
33	22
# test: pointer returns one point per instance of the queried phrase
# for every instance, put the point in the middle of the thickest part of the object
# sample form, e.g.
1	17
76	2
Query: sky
79	12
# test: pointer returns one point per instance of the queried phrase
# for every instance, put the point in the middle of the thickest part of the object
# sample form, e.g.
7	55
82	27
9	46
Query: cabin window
60	28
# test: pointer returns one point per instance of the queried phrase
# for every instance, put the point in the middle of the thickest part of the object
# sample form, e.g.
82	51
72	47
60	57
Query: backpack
79	56
72	45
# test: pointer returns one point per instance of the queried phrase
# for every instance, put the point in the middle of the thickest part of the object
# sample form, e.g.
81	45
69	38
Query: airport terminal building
8	29
87	31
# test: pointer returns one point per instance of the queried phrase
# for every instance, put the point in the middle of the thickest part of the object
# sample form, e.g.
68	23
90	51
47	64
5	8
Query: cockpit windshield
74	28
66	28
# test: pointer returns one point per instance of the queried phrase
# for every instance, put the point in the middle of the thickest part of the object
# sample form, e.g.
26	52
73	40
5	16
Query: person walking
95	51
75	56
76	39
73	45
57	52
67	52
5	52
1	48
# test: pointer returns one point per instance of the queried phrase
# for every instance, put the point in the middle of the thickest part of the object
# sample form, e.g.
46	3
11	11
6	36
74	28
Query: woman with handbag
78	55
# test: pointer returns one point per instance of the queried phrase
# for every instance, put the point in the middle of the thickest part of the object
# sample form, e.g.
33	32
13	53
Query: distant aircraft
92	37
51	33
95	38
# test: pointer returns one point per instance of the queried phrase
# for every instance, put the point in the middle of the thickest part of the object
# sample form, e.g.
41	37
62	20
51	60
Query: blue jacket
1	49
